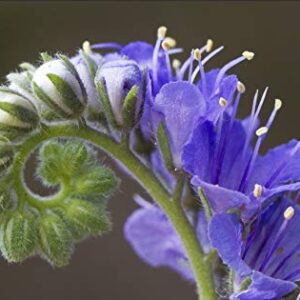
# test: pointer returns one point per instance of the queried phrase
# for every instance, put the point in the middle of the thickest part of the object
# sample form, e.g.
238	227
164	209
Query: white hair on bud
161	32
197	54
277	104
261	131
223	102
209	45
86	47
176	63
248	55
258	189
289	213
240	87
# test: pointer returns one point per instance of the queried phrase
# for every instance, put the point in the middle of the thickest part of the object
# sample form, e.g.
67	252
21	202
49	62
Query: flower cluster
179	120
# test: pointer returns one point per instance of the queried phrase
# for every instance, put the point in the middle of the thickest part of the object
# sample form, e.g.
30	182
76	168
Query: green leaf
67	94
106	106
46	57
86	218
164	146
55	240
18	236
129	108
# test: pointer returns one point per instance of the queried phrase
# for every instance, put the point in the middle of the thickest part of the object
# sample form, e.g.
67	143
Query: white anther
258	189
261	131
223	102
248	55
161	32
176	64
171	42
197	54
209	45
86	47
277	104
240	87
289	213
165	45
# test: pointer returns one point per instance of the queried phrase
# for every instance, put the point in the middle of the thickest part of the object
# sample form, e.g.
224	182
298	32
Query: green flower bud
55	240
95	181
17	114
6	155
58	87
86	218
18	238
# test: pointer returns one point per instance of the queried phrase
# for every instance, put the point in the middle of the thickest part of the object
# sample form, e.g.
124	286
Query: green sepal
67	94
105	105
55	240
18	238
129	108
48	101
86	218
26	66
46	56
6	155
95	181
164	146
245	284
92	66
22	80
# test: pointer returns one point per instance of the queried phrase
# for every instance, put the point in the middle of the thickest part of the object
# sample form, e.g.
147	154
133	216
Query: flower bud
55	240
118	77
86	218
58	88
18	236
17	114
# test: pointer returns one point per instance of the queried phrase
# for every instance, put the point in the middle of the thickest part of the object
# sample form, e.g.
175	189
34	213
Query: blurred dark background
106	268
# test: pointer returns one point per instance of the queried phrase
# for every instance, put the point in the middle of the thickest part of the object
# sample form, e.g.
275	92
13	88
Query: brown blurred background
106	268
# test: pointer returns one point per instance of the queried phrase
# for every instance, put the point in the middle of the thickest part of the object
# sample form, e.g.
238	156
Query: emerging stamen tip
209	45
223	102
86	47
161	32
277	104
289	213
176	64
240	87
172	42
197	54
248	55
261	131
258	189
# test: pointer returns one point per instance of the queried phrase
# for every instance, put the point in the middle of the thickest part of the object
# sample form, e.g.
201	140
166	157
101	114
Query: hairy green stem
142	174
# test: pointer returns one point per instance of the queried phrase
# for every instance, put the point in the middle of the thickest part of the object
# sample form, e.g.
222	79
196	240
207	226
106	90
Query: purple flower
266	250
154	239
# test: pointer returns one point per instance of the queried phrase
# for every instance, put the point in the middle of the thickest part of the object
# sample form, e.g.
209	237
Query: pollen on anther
277	104
223	102
261	131
248	55
209	45
197	54
258	189
176	63
165	45
289	213
86	47
170	41
161	32
241	87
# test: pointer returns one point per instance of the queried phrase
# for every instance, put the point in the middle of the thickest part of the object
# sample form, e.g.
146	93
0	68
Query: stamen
261	131
175	51
86	47
258	189
191	66
277	106
161	32
170	42
223	102
166	46
245	55
248	55
209	45
197	56
211	55
249	168
176	64
241	87
106	46
282	166
288	215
